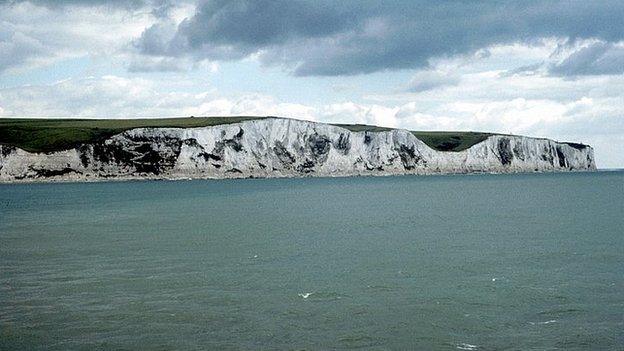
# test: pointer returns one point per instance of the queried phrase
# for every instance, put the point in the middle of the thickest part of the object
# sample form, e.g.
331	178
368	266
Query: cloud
157	64
107	96
307	38
154	40
352	37
128	4
118	97
252	105
354	113
527	70
32	35
429	80
17	47
595	59
579	113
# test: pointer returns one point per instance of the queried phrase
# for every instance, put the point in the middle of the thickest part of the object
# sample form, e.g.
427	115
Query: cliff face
283	148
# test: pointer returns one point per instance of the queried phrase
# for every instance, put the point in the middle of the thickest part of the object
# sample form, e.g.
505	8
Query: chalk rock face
283	148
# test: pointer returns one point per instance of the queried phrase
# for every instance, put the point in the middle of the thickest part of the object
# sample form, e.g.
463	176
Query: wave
545	322
465	346
322	296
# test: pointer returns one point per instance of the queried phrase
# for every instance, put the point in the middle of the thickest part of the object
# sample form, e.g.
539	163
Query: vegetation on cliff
49	134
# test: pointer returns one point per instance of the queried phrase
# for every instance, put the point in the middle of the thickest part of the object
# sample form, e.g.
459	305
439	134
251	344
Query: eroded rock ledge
283	148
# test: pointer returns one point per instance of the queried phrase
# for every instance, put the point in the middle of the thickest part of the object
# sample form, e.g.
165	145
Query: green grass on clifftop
441	141
47	134
451	141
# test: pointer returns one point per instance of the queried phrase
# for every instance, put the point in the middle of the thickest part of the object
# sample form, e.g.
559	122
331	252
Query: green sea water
480	262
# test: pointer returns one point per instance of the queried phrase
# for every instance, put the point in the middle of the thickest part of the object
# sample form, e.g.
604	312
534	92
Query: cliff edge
277	147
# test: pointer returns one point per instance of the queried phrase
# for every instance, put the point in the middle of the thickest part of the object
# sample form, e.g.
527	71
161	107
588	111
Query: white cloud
16	47
353	113
251	105
32	35
108	96
593	120
118	97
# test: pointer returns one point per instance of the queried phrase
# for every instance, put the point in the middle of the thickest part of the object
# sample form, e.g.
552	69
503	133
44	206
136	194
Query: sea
454	262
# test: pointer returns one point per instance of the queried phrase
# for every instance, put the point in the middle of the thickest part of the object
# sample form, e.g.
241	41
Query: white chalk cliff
283	148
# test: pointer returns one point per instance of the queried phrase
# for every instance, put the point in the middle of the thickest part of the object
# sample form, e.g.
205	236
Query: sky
545	68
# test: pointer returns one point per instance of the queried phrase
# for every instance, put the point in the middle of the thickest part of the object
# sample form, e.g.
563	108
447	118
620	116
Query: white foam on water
544	323
548	322
465	346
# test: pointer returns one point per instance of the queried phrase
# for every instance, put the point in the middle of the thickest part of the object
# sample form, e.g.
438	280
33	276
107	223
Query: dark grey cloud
159	8
328	37
595	59
351	37
224	29
62	3
260	23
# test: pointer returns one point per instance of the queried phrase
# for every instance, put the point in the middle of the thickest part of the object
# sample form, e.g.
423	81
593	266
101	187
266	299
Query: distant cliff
276	147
